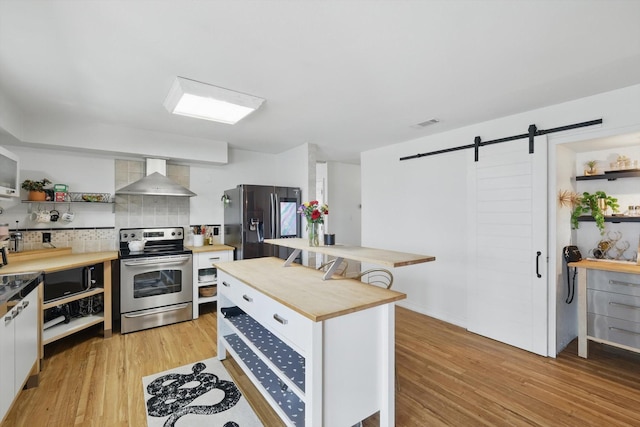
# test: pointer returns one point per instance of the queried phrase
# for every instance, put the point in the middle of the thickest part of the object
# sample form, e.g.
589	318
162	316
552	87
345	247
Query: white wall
420	205
81	172
90	172
293	168
209	182
343	198
566	316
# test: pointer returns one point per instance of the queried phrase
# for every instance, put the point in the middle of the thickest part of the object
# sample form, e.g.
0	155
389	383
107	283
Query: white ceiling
345	75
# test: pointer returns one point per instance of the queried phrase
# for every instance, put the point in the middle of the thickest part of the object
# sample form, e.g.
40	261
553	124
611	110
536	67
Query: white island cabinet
320	352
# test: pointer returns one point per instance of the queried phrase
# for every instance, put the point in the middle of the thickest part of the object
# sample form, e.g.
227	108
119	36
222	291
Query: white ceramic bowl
136	245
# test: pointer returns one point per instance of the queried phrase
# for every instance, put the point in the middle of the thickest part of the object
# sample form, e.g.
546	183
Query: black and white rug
200	394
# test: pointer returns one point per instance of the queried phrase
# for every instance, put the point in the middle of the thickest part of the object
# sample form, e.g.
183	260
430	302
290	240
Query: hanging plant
595	204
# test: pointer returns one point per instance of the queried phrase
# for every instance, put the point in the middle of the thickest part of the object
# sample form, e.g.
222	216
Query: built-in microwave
9	174
61	284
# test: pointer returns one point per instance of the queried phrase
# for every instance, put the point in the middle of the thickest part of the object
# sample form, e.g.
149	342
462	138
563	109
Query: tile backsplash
150	211
79	240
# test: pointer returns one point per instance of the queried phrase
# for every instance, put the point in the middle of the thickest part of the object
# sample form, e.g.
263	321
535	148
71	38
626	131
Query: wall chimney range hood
155	183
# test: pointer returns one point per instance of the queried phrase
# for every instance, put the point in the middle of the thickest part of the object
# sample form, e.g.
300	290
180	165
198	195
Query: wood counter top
606	265
210	248
57	262
303	290
357	253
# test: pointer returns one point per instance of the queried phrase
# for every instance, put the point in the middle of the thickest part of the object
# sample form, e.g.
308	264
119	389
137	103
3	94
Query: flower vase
314	233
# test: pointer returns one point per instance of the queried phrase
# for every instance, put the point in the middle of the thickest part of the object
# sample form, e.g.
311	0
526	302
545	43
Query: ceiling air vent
426	123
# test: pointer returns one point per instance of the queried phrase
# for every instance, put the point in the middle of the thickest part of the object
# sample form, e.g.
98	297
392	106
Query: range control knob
173	233
133	235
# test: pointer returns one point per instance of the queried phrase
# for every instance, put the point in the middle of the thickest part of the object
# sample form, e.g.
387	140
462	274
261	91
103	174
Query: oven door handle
156	261
158	310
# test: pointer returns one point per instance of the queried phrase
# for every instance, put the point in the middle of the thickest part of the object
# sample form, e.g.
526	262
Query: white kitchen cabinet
205	272
19	351
320	352
7	363
608	304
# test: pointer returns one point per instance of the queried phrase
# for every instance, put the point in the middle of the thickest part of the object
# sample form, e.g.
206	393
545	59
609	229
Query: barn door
507	281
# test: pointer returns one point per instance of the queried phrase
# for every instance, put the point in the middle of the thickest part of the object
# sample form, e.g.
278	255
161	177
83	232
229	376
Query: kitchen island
329	353
381	257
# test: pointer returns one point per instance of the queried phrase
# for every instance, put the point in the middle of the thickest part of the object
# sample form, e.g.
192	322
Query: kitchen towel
199	394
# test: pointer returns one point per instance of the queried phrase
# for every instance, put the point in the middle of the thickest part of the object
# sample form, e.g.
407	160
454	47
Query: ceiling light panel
204	101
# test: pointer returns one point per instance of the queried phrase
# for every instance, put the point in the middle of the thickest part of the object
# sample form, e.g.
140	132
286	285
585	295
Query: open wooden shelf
611	175
614	219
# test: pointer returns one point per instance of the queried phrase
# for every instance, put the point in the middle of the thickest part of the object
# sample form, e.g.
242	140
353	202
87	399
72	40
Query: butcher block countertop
357	253
210	248
606	265
303	290
50	260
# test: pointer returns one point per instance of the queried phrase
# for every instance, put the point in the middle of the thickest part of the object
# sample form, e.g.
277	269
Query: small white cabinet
18	348
205	273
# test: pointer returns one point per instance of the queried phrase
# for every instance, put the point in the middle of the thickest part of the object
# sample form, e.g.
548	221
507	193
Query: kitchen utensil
16	244
68	216
198	239
5	258
329	239
207	291
41	216
54	215
136	245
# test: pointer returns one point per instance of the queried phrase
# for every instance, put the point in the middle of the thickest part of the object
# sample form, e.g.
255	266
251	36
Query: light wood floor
448	377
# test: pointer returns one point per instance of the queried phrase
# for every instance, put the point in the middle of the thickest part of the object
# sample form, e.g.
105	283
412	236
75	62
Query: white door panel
507	301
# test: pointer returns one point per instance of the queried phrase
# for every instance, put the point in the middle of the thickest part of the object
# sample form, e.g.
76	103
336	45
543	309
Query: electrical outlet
46	237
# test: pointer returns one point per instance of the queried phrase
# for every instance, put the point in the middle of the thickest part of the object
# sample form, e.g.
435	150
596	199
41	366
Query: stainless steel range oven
156	283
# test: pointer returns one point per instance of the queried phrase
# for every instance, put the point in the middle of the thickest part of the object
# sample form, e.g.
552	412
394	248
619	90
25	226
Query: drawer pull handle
611	328
634	307
247	298
280	319
25	304
7	319
226	284
617	282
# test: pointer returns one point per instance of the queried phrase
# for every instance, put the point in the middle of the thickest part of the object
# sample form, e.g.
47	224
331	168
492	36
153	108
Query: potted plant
592	166
595	204
36	189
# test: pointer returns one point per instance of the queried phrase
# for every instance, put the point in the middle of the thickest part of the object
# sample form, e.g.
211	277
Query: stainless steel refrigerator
253	213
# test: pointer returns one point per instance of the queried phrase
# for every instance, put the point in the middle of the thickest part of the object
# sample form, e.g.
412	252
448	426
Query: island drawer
614	330
614	305
289	325
620	283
